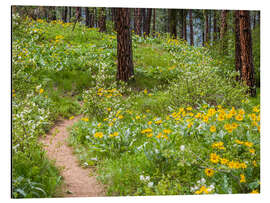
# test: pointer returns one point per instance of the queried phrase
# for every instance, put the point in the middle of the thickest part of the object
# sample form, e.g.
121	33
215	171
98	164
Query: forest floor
78	181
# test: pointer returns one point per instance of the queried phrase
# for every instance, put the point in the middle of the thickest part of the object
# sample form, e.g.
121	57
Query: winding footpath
78	181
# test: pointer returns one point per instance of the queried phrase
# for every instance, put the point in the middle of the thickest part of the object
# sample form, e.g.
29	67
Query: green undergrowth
54	69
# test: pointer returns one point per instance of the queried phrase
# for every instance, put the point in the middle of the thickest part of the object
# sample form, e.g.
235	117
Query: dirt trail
77	180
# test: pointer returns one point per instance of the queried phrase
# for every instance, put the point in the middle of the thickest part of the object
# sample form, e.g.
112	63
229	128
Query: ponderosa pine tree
215	30
206	27
87	17
223	31
184	25
148	21
124	45
137	21
64	14
247	68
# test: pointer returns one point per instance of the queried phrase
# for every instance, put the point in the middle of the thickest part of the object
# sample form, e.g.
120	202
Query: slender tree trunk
215	26
64	14
87	17
172	22
137	21
191	28
206	27
143	11
209	26
223	31
246	52
254	20
53	15
102	20
154	22
184	28
114	17
124	45
181	12
238	63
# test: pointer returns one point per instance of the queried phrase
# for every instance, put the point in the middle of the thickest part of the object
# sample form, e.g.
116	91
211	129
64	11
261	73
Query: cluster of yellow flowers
108	93
98	135
247	144
203	189
214	158
218	145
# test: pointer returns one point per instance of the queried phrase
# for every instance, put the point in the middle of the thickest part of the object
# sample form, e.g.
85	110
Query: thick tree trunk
154	22
137	21
246	52
172	22
124	45
102	20
206	28
223	31
191	28
181	13
148	22
238	63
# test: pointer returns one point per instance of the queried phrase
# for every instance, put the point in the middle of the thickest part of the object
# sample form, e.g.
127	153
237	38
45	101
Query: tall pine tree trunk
191	28
87	17
246	52
184	28
148	22
223	31
238	63
206	27
215	26
64	16
137	21
124	45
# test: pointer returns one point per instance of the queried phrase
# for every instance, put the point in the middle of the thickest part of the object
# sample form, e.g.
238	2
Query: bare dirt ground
78	181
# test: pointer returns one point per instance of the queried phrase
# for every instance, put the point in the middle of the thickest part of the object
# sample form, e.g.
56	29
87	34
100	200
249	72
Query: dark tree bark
124	45
184	25
238	63
181	13
70	13
223	31
154	22
254	20
215	34
246	52
191	28
148	22
64	16
206	28
137	21
87	17
209	25
102	20
172	22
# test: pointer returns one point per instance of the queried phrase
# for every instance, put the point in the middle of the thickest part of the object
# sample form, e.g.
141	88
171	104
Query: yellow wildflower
209	172
214	158
213	129
243	178
239	117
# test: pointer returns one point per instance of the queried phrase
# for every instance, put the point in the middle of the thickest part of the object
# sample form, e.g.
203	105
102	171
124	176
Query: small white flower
147	178
141	177
182	147
203	180
150	184
156	150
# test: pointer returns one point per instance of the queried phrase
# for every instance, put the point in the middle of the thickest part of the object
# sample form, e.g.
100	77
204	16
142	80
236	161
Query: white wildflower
150	184
182	147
